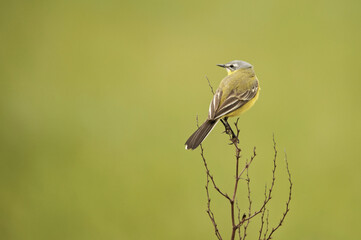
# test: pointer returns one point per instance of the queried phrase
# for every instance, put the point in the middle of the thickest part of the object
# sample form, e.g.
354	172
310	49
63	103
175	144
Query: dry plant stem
267	224
262	223
232	200
287	203
210	213
262	217
269	196
237	225
238	151
249	205
239	219
210	176
209	83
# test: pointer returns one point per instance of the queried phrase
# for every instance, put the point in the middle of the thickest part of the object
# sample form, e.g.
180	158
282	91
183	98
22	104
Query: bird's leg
229	130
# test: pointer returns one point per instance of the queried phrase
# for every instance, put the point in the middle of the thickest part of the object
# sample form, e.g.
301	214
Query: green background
98	97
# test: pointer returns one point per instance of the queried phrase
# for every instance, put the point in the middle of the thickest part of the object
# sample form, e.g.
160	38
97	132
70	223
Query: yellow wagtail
236	93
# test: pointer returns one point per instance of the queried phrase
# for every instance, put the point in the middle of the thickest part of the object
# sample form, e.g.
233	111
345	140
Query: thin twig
262	223
269	197
238	177
262	216
267	224
208	172
209	83
210	213
234	229
211	177
249	204
287	203
248	164
245	219
239	219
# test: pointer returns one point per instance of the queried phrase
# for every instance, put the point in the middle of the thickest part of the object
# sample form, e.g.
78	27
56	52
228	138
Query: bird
236	93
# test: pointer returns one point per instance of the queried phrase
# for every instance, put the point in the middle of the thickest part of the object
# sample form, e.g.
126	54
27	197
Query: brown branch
249	205
238	177
262	216
267	224
208	172
211	177
268	198
234	229
210	213
238	155
237	221
287	203
262	223
248	164
209	83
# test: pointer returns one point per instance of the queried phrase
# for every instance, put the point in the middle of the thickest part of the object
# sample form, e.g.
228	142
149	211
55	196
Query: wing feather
214	104
234	101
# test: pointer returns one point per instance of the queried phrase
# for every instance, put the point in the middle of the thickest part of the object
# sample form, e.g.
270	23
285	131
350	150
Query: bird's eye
231	66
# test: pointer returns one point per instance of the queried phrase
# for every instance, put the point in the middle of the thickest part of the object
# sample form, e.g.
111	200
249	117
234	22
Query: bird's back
239	81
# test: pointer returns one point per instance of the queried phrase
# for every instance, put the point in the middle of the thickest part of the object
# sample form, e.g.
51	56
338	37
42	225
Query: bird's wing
214	104
232	102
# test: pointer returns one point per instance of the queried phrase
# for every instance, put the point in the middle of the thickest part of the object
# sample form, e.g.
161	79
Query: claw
235	140
228	131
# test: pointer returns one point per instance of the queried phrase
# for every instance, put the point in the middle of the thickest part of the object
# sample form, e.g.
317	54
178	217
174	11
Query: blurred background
98	97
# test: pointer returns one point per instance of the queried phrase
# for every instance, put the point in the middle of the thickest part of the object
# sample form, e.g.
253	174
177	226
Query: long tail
201	133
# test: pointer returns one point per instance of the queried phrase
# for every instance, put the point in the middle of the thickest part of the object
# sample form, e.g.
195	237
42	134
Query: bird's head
235	65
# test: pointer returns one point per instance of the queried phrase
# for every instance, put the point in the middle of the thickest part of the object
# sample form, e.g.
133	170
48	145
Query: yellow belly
244	108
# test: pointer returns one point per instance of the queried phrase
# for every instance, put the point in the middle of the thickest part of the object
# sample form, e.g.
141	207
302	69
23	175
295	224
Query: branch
237	221
267	198
249	204
267	224
211	177
209	83
210	213
235	226
287	203
262	217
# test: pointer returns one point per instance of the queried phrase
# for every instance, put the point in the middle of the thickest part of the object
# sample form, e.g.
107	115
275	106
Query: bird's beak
221	65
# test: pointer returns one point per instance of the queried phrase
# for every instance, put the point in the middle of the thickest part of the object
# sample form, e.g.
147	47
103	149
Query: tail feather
202	132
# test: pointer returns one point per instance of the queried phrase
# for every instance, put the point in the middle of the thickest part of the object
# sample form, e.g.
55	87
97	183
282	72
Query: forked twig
287	203
210	213
245	227
209	83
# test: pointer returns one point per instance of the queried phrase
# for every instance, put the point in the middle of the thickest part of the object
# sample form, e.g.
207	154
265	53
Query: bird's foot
234	140
228	131
232	137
